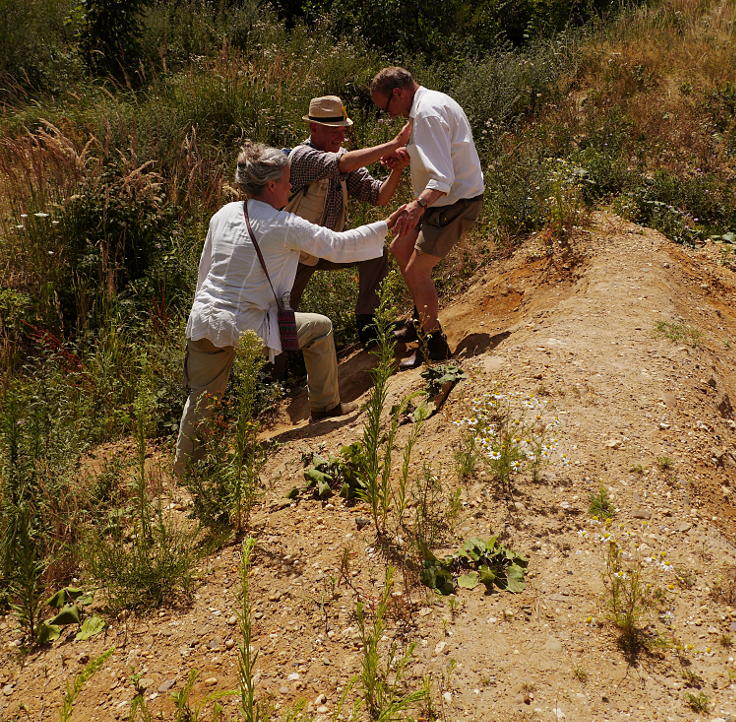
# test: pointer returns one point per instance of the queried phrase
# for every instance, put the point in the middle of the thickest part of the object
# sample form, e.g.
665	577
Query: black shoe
412	362
435	348
339	410
406	331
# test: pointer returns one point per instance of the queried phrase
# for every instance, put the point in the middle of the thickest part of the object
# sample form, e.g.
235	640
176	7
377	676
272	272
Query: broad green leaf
68	615
319	462
47	632
293	493
323	489
469	581
90	627
487	577
58	600
515	579
314	476
67	594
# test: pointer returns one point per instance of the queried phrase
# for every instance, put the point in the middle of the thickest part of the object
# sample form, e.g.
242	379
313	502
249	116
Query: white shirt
441	148
233	294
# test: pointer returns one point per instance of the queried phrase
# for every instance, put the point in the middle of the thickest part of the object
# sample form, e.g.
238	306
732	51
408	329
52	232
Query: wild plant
629	600
433	516
249	453
225	483
73	690
467	457
192	712
601	507
156	565
699	702
247	655
21	549
378	442
565	207
512	434
679	333
383	670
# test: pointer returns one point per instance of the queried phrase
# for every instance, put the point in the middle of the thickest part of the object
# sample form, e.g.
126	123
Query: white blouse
233	294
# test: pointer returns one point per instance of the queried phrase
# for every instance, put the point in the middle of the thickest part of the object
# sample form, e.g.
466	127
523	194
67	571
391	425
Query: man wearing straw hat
323	176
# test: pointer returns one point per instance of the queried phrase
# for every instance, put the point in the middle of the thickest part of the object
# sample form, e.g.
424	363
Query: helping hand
394	217
404	134
398	160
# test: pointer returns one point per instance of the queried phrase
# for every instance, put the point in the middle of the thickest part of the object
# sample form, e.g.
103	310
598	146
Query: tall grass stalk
251	708
383	670
377	442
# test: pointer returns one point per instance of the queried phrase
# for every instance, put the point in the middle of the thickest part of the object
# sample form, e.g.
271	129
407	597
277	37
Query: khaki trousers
207	370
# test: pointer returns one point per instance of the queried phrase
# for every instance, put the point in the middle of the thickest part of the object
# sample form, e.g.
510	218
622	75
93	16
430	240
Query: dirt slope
647	416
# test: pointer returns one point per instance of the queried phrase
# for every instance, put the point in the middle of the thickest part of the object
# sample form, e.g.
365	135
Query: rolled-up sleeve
309	165
432	140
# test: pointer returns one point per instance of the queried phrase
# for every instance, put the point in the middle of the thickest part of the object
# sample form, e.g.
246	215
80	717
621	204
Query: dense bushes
445	30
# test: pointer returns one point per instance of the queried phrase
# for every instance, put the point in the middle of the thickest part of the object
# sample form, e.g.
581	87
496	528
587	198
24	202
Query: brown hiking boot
341	409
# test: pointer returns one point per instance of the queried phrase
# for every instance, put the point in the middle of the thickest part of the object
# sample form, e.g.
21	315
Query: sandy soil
642	414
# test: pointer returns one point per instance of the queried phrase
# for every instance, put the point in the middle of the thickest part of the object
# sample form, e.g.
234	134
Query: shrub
109	36
37	54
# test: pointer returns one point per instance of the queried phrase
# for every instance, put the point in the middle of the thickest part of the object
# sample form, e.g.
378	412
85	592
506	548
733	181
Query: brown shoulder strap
258	251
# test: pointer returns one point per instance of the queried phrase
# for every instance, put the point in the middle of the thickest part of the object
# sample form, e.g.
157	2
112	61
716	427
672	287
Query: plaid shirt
309	165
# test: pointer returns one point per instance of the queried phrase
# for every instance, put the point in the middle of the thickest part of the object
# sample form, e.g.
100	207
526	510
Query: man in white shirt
447	181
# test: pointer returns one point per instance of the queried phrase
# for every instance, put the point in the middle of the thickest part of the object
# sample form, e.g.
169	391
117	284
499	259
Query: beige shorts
441	227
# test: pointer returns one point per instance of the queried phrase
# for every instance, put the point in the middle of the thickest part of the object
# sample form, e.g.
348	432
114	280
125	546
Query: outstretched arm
399	161
362	157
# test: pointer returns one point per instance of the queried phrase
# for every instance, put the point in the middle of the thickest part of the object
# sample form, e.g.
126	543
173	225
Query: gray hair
389	78
258	164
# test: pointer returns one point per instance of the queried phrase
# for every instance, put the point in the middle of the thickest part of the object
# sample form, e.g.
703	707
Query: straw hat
327	110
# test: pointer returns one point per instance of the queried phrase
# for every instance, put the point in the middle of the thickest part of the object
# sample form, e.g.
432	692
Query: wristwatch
422	202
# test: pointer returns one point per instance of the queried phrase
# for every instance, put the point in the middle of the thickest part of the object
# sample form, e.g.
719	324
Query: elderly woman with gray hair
233	293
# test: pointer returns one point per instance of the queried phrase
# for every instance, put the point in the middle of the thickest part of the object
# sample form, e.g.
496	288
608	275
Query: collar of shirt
420	91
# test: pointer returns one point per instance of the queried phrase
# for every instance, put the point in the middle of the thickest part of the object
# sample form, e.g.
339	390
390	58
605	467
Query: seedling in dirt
665	463
629	601
580	674
693	679
466	458
73	690
489	563
699	702
726	640
637	469
601	507
679	333
383	671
